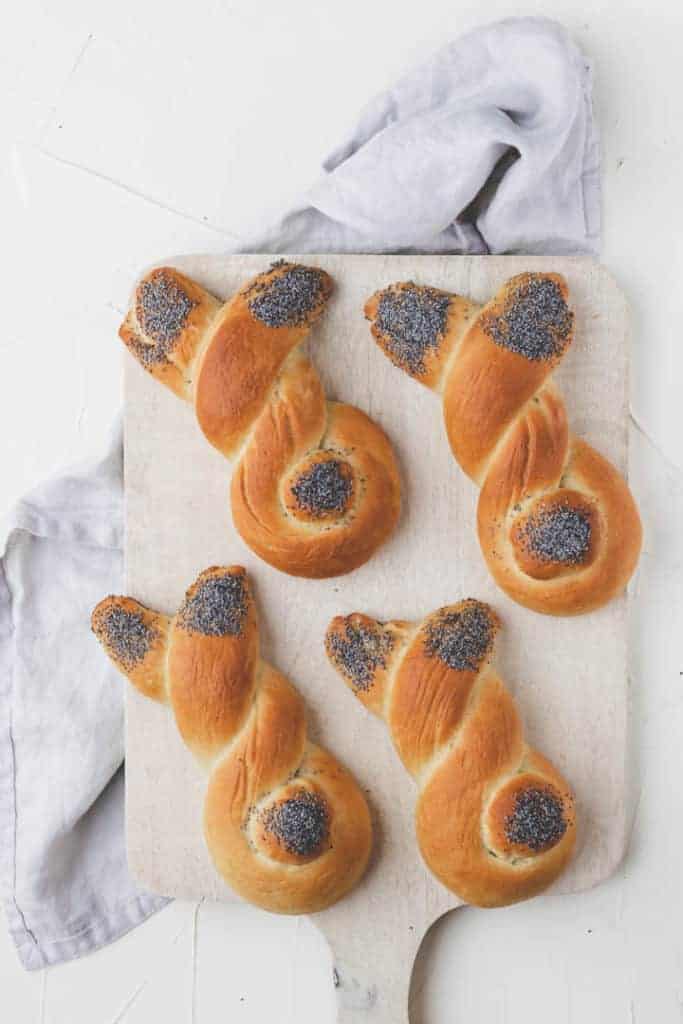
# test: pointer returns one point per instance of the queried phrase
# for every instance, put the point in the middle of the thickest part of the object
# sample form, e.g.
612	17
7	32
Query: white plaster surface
138	129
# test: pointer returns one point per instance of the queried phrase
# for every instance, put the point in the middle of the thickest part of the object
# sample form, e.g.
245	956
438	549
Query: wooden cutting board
569	676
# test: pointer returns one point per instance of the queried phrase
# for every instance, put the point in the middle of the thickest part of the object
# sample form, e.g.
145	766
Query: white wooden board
569	676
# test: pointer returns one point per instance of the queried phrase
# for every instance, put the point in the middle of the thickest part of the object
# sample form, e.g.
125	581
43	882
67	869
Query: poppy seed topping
218	606
126	634
461	639
288	299
536	322
358	652
162	309
323	488
537	819
561	534
300	824
412	320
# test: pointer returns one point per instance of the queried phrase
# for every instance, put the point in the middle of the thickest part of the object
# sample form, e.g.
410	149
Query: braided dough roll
287	826
494	819
557	523
316	488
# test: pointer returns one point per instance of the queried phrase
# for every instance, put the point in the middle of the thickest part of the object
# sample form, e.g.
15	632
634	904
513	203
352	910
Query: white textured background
136	129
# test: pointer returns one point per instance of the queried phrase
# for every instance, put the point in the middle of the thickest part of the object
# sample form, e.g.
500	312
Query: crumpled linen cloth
490	146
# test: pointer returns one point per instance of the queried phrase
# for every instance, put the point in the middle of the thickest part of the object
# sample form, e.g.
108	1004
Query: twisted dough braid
557	524
316	488
287	826
494	820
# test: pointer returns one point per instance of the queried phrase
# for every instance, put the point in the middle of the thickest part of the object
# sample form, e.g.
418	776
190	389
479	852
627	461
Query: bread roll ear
167	325
557	524
494	820
136	640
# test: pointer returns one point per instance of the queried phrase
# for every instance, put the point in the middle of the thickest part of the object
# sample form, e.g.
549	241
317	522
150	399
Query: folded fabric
65	880
488	147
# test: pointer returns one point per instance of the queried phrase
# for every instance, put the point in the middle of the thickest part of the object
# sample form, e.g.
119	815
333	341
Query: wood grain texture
569	676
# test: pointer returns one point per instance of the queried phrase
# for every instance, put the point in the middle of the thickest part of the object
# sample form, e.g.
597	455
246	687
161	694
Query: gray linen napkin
488	147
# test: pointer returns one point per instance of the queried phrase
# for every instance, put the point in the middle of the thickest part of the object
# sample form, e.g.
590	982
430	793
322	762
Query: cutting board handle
369	995
372	976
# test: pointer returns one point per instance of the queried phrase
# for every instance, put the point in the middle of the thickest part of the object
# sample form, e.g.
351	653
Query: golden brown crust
236	373
495	821
589	548
287	826
507	427
285	446
265	881
316	489
212	678
488	383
